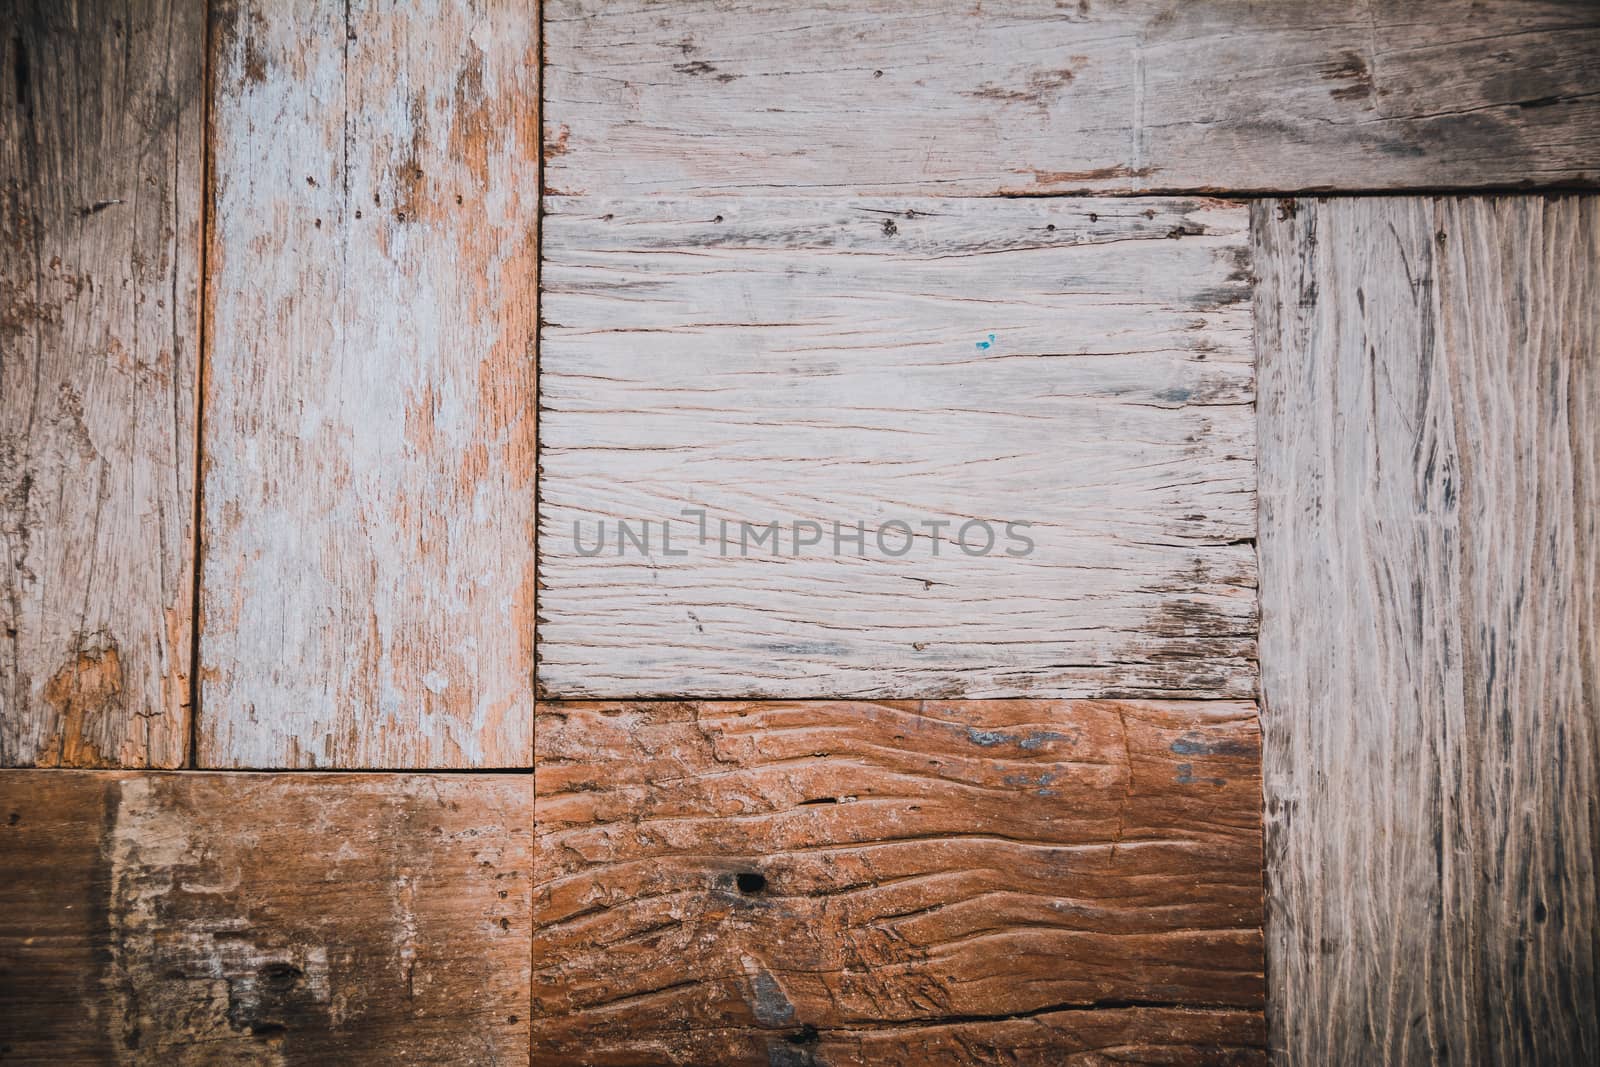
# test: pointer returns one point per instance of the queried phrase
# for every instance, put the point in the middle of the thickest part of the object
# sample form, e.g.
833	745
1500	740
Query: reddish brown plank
843	882
241	918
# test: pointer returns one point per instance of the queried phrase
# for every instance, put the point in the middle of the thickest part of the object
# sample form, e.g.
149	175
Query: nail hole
750	882
806	1035
281	977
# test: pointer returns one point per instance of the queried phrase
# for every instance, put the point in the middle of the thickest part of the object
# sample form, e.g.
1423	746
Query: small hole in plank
750	881
806	1035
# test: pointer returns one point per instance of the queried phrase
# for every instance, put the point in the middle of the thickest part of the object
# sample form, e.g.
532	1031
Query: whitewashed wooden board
1034	96
785	359
100	196
1430	579
368	578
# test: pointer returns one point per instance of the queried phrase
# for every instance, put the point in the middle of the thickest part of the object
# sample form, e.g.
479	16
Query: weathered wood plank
100	164
1430	489
1042	96
1083	366
229	918
368	574
841	882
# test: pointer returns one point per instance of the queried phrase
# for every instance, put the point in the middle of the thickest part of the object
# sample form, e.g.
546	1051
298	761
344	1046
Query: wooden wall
332	334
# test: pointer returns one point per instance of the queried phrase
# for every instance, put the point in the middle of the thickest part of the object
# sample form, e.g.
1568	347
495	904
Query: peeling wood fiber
100	161
1430	577
201	918
368	576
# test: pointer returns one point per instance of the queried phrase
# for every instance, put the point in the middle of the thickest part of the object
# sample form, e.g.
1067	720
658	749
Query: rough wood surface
1430	489
368	575
196	918
1083	366
1053	96
100	162
839	882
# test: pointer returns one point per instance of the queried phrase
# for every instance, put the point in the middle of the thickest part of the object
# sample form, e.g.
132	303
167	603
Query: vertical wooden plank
913	882
1430	442
100	164
368	575
203	918
54	887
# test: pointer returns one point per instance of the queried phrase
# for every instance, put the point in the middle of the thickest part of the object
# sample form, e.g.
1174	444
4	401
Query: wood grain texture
771	360
368	575
1430	489
197	918
1046	96
839	882
100	164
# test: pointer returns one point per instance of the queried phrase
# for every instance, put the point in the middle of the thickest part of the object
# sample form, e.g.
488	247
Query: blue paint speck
987	738
982	345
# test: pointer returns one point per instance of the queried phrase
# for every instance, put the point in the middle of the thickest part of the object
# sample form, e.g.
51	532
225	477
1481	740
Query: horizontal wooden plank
100	186
1430	486
264	919
1080	368
843	882
1222	1037
1045	96
368	578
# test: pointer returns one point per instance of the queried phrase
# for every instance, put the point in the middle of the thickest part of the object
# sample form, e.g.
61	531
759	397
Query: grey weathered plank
205	918
1430	493
368	573
771	359
100	186
951	96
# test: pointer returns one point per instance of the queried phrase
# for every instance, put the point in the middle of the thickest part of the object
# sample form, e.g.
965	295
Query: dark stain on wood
1352	73
264	918
1040	90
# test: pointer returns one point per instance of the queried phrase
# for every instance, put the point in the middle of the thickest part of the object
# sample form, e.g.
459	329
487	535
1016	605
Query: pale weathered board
203	918
368	572
839	882
100	186
1051	96
1080	365
1430	571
